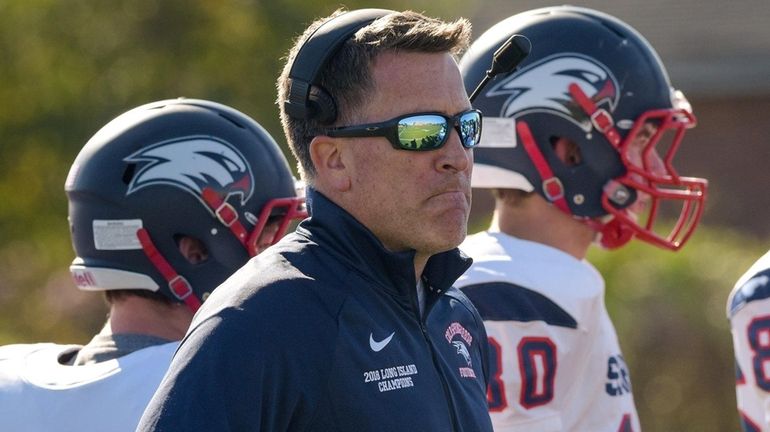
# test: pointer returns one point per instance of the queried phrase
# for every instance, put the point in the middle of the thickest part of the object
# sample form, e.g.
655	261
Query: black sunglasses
418	131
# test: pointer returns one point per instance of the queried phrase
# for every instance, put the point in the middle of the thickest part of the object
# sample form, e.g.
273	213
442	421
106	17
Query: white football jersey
556	364
748	309
37	393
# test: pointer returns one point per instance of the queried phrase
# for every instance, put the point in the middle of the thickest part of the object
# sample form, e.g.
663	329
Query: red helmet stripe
552	187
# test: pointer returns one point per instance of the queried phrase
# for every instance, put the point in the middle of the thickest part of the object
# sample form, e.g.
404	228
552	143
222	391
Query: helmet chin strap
551	186
601	119
227	215
178	285
613	233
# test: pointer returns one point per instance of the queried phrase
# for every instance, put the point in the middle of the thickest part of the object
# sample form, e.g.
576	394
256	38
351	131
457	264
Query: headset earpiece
306	99
321	105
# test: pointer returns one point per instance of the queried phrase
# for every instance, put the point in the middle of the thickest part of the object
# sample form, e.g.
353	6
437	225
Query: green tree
68	67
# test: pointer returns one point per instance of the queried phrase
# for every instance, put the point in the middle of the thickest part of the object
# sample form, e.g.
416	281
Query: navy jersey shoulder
754	289
506	301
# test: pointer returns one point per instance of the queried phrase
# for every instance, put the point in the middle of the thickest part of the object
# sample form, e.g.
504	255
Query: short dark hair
348	78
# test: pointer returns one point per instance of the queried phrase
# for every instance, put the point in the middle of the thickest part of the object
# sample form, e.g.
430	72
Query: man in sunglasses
165	202
352	323
575	151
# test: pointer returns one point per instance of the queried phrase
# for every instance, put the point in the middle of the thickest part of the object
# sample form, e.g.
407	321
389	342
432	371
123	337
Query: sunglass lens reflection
470	130
422	132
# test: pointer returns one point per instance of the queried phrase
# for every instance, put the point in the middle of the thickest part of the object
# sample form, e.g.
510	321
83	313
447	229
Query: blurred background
68	67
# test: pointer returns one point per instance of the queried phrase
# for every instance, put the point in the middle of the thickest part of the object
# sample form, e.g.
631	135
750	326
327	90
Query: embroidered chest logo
378	346
392	378
461	340
398	377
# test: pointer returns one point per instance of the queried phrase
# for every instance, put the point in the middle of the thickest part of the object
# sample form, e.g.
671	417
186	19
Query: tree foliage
68	67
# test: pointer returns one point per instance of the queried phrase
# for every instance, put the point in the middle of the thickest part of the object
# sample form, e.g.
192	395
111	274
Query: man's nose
453	155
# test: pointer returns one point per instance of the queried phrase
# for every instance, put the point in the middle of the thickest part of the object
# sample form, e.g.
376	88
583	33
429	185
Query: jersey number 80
537	369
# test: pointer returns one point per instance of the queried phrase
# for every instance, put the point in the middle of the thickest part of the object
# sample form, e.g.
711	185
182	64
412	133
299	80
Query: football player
165	202
748	309
577	148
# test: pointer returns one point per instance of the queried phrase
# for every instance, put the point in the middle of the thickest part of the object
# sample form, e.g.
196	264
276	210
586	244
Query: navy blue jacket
322	332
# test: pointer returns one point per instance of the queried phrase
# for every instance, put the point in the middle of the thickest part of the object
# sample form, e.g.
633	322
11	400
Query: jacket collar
332	227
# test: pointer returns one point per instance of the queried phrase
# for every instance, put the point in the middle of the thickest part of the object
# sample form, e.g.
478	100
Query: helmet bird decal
193	163
543	86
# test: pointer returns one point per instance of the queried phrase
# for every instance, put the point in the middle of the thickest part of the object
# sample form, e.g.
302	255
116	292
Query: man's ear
328	156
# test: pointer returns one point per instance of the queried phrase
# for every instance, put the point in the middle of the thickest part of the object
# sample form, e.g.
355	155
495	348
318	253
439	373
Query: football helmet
595	81
173	168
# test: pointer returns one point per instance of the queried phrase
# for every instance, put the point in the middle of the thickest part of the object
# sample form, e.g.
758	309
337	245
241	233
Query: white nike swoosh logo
378	346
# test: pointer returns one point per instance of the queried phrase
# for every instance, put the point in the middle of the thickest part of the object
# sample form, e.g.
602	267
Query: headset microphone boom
506	59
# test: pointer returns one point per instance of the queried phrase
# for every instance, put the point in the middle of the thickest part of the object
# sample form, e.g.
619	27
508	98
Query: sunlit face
412	200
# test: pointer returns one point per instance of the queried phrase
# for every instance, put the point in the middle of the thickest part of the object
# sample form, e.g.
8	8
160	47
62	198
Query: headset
307	99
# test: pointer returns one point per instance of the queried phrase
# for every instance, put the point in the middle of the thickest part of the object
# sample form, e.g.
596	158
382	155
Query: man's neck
138	315
537	221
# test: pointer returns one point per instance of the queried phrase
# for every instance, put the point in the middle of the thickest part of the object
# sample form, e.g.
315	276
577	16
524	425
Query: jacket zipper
436	364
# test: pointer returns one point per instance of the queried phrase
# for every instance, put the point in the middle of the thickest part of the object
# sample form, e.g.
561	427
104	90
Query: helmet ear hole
567	151
191	248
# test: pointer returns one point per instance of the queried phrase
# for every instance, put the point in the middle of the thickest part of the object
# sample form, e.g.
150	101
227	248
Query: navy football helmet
595	81
168	169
